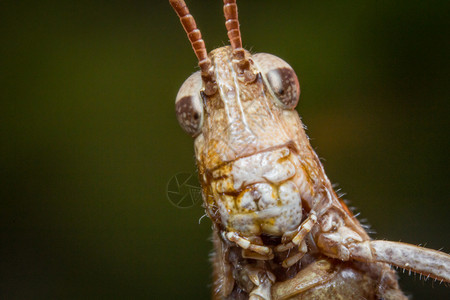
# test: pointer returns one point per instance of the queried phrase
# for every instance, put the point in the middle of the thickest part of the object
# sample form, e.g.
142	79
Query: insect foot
297	240
244	243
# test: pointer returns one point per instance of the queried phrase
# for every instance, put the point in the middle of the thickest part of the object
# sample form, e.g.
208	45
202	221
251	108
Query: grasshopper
279	229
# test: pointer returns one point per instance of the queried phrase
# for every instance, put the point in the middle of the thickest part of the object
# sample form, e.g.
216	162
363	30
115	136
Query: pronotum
279	229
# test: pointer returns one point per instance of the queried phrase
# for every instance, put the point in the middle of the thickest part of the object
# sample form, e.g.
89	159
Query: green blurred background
89	138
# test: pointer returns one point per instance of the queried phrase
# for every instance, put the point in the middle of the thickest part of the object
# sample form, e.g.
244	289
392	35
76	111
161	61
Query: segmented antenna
195	37
234	34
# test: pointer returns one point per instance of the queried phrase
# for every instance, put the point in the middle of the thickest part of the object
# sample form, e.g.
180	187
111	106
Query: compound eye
188	105
285	86
280	77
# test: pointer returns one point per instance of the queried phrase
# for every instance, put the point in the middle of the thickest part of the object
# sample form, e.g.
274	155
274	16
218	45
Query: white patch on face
288	212
280	172
261	167
269	197
289	194
247	201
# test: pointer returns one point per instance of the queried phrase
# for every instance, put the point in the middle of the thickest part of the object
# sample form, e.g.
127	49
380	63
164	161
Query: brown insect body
261	126
280	231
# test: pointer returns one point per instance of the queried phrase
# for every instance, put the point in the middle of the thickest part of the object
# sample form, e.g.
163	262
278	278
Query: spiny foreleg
345	244
428	262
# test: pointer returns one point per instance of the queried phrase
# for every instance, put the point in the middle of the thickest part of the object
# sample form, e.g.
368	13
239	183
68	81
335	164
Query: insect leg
246	244
298	240
305	228
263	282
432	263
345	245
302	231
290	261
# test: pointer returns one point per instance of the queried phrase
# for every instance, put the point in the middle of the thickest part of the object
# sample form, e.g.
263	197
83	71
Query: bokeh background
89	139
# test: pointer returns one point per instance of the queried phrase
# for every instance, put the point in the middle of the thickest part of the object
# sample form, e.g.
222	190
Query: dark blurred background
89	139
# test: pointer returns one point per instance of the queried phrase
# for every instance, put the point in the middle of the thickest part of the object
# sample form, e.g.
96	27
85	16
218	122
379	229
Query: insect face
280	230
257	169
246	153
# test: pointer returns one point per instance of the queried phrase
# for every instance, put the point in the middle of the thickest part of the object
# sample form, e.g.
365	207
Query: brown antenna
195	37
234	34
